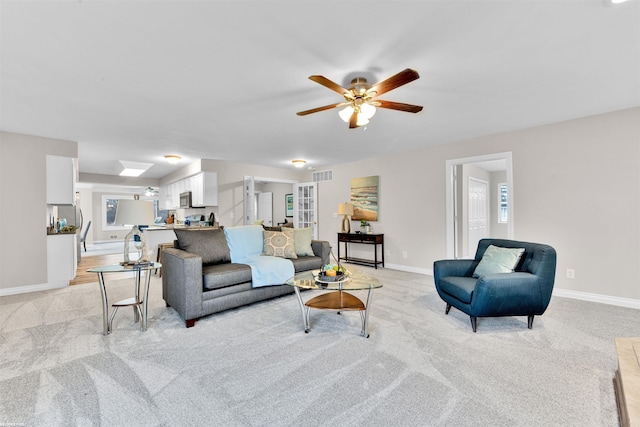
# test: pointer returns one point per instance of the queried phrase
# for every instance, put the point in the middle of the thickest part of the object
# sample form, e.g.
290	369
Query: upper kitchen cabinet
61	180
204	189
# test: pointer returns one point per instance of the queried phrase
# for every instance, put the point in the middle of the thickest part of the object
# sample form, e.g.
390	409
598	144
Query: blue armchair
524	292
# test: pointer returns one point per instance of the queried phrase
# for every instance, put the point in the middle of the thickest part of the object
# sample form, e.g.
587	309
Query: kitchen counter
175	226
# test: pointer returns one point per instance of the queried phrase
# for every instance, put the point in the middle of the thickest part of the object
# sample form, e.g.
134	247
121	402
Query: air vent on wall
323	176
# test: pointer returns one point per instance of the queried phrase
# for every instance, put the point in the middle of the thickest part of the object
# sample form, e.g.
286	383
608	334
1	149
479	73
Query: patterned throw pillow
276	243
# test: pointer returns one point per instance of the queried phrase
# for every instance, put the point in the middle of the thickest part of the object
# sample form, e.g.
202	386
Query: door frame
450	182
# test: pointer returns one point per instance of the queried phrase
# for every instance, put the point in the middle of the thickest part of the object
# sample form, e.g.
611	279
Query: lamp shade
134	212
345	209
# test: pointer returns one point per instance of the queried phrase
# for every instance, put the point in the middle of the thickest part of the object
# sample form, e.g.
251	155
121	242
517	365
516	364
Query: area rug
255	366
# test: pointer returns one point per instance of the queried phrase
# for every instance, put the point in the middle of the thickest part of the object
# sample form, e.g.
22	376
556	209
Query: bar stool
161	246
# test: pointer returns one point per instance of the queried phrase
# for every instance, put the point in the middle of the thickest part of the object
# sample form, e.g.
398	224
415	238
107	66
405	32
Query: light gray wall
576	187
23	206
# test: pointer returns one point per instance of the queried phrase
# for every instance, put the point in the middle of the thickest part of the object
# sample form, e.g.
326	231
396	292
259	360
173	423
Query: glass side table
136	302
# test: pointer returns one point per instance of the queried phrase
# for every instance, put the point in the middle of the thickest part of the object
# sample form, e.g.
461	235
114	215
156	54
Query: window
110	206
503	208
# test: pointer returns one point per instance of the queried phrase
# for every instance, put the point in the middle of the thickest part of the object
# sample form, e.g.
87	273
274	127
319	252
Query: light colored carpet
255	366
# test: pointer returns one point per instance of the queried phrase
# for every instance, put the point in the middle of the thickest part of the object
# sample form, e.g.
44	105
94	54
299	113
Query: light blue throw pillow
498	260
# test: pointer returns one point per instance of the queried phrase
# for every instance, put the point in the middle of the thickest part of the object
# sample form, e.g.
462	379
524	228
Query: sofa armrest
182	282
453	267
322	249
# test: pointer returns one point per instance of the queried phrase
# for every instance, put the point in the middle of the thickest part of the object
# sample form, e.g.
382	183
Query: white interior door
265	208
478	218
305	206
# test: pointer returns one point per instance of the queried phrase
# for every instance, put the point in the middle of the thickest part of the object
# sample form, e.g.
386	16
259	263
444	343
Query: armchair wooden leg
530	321
474	323
189	323
446	311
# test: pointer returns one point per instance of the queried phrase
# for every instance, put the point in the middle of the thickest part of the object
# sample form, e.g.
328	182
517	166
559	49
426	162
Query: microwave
186	200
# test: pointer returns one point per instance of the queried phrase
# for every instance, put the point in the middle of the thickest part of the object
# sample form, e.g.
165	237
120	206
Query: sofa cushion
459	287
302	238
304	263
209	244
221	275
279	244
498	260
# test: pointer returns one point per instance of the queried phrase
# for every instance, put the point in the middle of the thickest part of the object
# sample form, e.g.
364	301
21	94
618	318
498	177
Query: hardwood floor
82	276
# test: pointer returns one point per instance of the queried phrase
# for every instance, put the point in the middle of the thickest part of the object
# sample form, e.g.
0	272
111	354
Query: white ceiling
223	79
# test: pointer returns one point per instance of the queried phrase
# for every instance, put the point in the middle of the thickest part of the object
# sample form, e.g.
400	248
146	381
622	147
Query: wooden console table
367	239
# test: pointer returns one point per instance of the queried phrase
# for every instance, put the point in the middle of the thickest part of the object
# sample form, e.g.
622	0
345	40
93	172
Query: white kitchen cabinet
61	180
203	187
61	258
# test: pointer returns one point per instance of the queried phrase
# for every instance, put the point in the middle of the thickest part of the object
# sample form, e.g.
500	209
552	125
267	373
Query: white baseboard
32	288
564	293
409	269
603	299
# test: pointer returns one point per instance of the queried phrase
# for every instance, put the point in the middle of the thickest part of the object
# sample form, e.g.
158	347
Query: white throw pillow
498	260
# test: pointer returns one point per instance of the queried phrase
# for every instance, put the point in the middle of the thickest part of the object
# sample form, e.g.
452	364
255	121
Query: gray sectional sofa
198	277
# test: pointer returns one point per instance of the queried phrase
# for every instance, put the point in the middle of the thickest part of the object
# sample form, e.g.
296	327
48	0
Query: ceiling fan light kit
359	103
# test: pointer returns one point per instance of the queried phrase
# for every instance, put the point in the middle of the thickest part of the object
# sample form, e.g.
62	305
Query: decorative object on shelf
359	101
135	212
366	227
299	163
345	209
364	197
288	205
172	158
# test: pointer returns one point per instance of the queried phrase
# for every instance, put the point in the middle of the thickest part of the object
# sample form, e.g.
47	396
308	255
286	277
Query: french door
305	206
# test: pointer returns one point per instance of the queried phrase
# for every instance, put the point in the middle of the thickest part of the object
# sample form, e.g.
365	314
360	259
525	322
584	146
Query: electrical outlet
571	273
404	254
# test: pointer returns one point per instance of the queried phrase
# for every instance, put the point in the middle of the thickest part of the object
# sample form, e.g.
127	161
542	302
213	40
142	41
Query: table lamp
345	209
135	212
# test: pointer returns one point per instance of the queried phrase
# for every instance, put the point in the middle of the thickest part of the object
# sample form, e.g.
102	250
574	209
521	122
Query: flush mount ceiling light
359	101
134	168
298	163
172	158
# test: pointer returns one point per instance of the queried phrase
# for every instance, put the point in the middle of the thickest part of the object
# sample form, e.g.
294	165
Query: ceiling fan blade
409	108
353	121
402	78
329	84
326	107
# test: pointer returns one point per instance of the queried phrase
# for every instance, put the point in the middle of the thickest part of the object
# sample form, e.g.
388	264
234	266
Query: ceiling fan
359	101
150	191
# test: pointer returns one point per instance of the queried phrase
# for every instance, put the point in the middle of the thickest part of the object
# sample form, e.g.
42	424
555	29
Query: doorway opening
474	210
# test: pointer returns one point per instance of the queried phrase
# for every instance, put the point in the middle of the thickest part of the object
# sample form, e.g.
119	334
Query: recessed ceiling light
298	163
172	158
134	168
